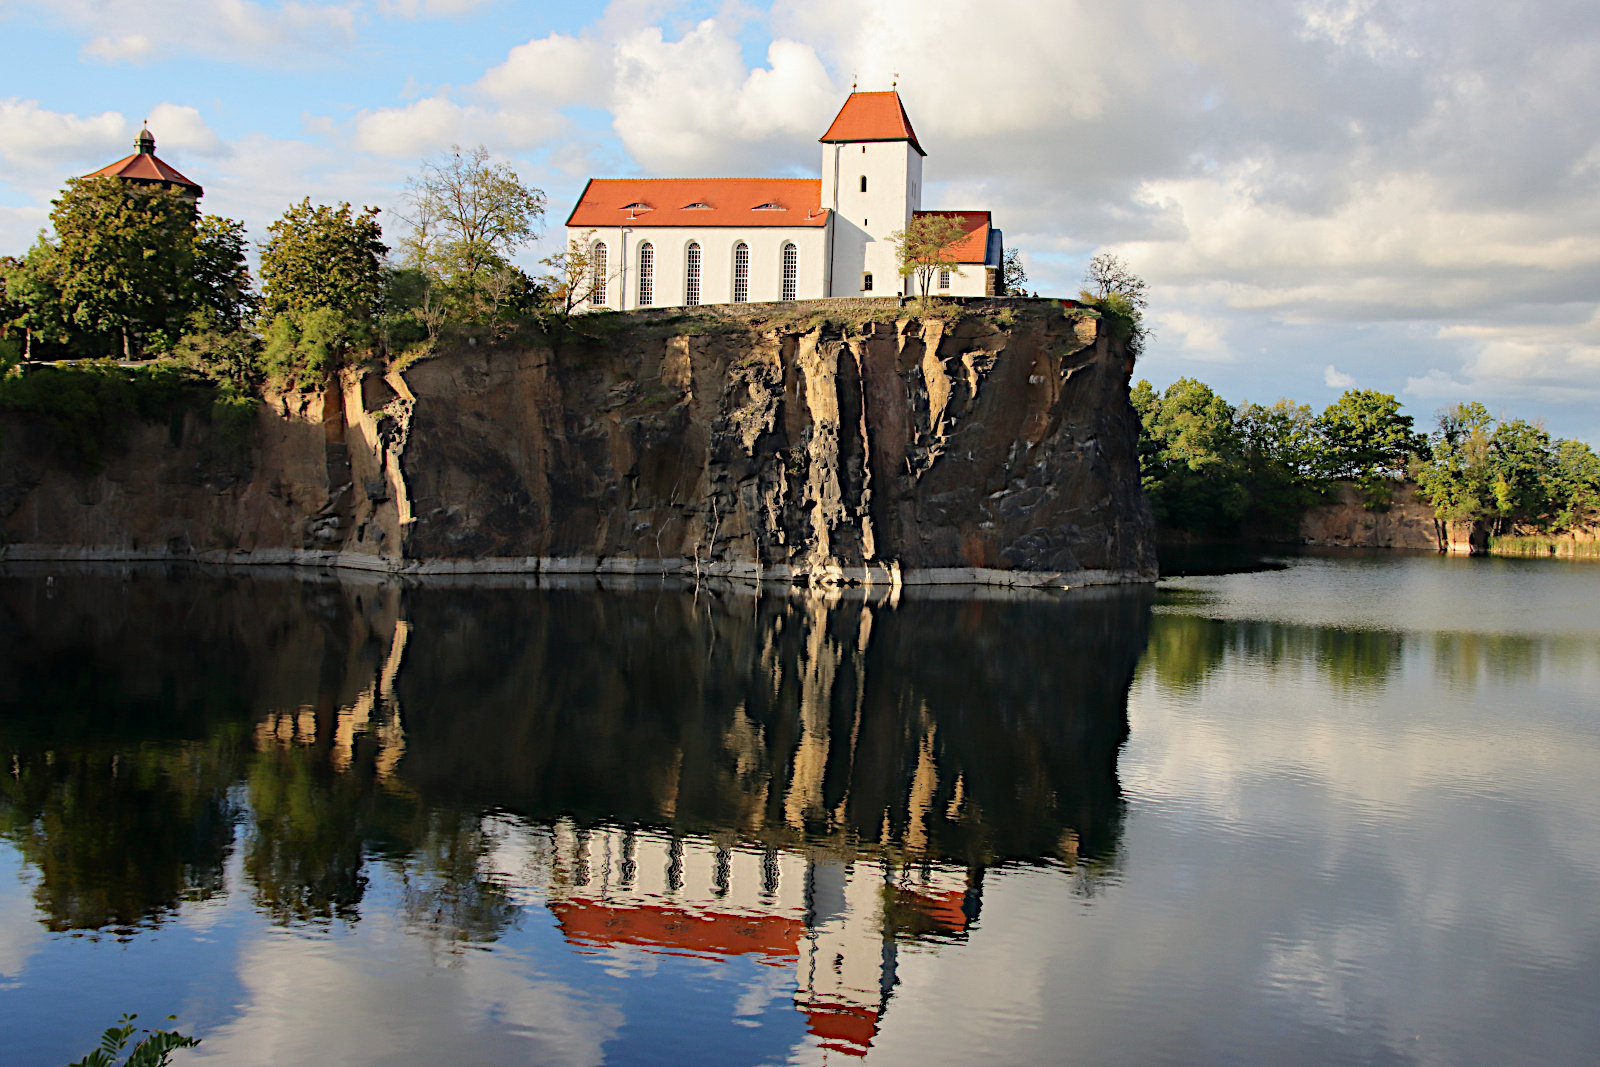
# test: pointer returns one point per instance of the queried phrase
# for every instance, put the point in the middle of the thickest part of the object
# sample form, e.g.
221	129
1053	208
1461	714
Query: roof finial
854	80
896	83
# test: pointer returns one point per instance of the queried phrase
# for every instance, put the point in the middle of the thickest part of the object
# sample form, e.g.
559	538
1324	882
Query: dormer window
636	207
769	207
697	206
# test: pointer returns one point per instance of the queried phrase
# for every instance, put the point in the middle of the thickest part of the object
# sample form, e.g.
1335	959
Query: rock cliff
817	443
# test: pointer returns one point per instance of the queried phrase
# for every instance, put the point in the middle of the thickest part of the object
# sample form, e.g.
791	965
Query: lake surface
1342	811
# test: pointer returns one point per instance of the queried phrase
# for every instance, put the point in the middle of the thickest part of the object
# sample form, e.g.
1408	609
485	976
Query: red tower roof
146	168
872	117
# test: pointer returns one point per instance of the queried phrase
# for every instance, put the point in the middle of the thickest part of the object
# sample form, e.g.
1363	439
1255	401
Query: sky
1323	194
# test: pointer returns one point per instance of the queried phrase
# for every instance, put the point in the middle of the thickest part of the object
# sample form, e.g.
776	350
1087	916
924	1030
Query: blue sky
1323	193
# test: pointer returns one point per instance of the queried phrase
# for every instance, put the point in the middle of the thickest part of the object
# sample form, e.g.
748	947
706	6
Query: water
1342	811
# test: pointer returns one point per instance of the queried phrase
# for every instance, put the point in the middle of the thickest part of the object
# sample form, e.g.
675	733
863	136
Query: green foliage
1119	296
305	347
154	1050
323	257
926	246
1366	440
1013	275
1282	449
91	405
1507	474
124	258
468	216
221	354
222	285
1190	460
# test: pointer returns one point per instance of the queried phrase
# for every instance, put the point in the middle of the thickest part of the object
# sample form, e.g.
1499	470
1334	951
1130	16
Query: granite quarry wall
807	443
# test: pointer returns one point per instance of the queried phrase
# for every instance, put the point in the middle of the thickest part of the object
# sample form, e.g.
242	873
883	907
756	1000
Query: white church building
671	242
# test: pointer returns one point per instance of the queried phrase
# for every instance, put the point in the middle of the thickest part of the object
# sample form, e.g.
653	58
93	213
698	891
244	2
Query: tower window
944	279
863	183
866	282
597	275
647	274
791	273
741	273
691	285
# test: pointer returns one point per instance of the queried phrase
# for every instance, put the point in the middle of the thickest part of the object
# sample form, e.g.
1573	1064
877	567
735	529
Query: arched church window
741	273
647	274
691	281
863	183
597	274
791	272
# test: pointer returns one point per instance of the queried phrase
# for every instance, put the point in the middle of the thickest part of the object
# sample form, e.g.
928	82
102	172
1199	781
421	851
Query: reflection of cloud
20	929
379	996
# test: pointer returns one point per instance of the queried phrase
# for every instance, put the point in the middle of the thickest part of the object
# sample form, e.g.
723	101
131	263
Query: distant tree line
1214	469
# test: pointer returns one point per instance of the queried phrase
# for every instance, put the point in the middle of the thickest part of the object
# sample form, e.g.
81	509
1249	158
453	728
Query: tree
1282	452
926	246
323	257
1013	276
1457	478
1524	464
1190	457
573	277
1120	295
123	259
323	283
469	215
1575	483
221	281
1367	440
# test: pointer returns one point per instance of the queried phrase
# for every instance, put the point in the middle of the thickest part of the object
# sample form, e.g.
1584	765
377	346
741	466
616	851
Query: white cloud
178	126
1204	338
1434	385
1333	378
414	9
134	31
34	138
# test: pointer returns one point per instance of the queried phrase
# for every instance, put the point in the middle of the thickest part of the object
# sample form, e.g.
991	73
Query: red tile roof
975	247
872	117
771	939
700	202
144	166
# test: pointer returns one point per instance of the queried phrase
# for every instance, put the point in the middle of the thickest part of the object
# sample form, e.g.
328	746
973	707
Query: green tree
1457	478
1524	464
1282	450
468	216
323	283
1575	483
1191	457
124	259
573	277
926	246
323	257
1013	275
1367	440
221	281
1111	287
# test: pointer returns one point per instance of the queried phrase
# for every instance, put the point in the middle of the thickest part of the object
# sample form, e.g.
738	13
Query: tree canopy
323	257
926	246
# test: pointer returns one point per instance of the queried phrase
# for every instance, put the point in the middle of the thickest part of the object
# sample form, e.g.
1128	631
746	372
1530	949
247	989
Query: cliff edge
816	443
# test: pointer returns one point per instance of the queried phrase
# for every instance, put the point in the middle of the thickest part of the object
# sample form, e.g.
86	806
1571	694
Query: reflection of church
834	922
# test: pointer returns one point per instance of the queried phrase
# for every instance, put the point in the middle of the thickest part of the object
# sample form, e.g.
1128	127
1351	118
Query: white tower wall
863	220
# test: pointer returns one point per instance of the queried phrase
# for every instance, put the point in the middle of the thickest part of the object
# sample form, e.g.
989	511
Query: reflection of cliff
807	782
965	730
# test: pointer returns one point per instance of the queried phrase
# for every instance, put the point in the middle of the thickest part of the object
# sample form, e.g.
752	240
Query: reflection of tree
121	838
1185	650
447	895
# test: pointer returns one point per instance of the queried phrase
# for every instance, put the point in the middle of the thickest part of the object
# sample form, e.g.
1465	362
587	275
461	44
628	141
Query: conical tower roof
872	117
146	168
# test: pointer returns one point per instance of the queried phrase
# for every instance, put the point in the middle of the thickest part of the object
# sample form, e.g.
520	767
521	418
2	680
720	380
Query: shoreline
889	575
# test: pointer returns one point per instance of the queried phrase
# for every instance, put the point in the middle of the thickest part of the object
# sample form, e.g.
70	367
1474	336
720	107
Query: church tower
872	181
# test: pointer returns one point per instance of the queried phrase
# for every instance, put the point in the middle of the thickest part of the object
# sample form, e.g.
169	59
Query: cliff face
1345	522
996	446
